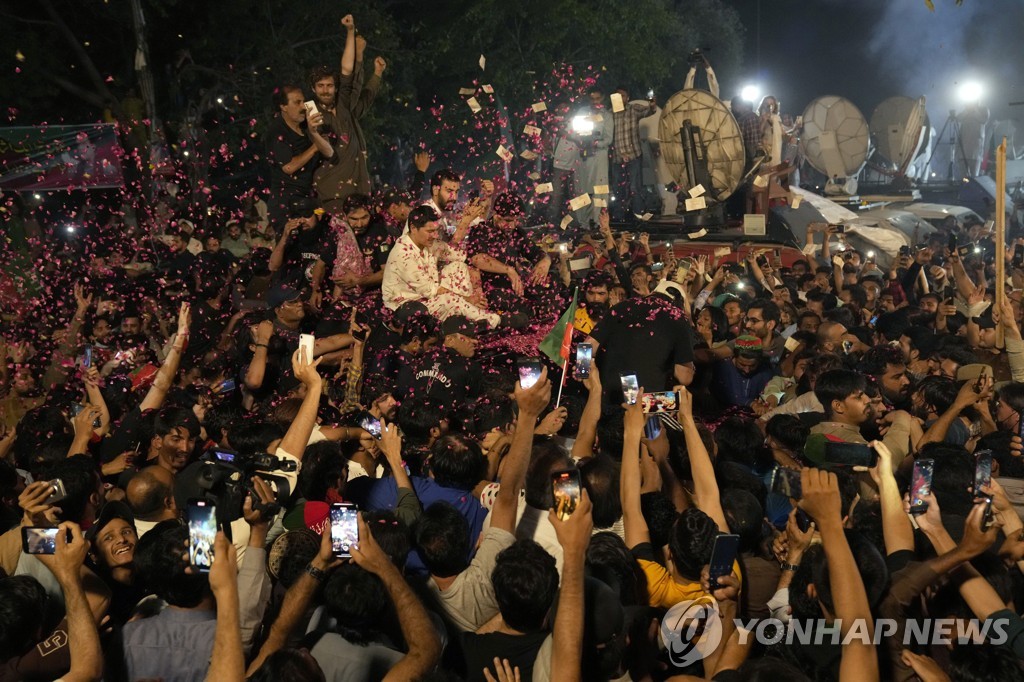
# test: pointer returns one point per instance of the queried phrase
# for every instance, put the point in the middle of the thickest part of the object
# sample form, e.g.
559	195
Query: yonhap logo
691	630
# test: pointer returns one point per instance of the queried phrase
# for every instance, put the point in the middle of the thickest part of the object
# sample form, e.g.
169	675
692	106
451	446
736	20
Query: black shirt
511	247
481	650
643	336
375	242
304	248
440	374
284	144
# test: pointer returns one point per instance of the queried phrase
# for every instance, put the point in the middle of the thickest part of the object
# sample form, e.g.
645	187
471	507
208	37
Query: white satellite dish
900	125
835	140
720	133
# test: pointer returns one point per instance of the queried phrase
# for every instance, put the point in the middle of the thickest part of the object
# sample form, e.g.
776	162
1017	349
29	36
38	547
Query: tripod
955	143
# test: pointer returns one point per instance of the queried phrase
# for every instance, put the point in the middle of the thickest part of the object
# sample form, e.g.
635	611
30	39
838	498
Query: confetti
579	202
809	249
565	222
601	189
467	91
617	104
474	105
504	153
528	154
722	251
698	234
838	261
544	188
489	89
645	217
761	181
796	201
696	191
539	107
753	224
600	203
19	56
531	130
696	204
483	62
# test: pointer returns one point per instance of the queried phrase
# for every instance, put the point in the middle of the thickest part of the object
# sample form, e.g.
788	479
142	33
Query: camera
224	477
697	57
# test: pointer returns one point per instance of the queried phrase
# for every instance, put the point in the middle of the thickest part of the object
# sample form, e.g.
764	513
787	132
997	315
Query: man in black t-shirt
648	336
305	252
294	148
447	374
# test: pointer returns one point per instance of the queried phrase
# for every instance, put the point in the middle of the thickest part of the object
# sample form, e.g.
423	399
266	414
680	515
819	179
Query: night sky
867	50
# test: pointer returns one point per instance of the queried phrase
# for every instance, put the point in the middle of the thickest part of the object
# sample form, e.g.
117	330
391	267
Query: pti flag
557	343
52	157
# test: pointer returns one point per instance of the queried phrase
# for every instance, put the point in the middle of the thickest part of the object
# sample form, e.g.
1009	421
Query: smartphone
786	482
952	242
584	356
306	342
652	428
77	408
657	267
371	425
982	474
87	357
664	401
344	529
37	540
310	107
850	455
904	250
965	251
202	533
1018	256
529	371
722	557
227	386
630	388
59	492
840	228
847	347
986	519
566	487
921	485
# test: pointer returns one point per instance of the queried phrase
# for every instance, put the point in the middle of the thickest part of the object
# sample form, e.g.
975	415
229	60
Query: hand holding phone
566	486
722	558
921	485
584	357
306	342
344	529
529	371
202	533
630	388
982	474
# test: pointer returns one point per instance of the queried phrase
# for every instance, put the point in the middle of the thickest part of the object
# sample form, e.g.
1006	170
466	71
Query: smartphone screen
722	557
652	428
664	401
787	482
584	355
921	485
630	389
566	486
371	425
344	529
224	456
202	532
529	371
36	540
87	357
1018	256
227	386
850	455
982	474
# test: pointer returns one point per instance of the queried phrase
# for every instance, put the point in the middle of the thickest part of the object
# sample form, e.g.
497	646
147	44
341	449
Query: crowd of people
335	349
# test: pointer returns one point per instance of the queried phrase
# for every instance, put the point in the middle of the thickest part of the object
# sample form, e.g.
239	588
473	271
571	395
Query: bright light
741	285
751	93
185	154
977	249
871	254
70	229
970	91
37	197
220	100
582	125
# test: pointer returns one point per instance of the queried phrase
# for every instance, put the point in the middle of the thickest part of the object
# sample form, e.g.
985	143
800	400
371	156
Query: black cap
459	324
406	311
302	207
280	294
115	509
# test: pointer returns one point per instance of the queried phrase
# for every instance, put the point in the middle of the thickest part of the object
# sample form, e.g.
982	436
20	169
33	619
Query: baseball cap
302	207
115	509
279	295
458	324
406	311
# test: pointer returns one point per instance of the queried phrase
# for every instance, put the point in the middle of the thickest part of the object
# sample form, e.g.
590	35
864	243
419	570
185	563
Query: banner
59	157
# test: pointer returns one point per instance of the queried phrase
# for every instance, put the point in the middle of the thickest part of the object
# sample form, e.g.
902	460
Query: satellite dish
900	126
835	139
721	137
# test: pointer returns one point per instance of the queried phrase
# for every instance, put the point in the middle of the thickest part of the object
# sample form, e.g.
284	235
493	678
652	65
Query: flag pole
566	347
561	385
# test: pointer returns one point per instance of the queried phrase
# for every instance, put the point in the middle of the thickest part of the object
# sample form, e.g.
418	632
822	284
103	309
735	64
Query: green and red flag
557	344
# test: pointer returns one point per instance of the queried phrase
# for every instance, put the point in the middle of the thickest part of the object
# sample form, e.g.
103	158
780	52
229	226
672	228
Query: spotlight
751	93
970	91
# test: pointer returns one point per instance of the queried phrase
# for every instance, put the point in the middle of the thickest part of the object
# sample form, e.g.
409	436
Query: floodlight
970	91
750	93
582	125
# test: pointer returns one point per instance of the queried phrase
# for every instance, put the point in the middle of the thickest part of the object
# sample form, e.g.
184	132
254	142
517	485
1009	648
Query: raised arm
348	56
896	528
567	636
705	485
297	437
822	502
635	527
164	379
227	662
583	447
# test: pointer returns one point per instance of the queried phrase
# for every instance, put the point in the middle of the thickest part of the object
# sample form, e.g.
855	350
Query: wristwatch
315	573
786	566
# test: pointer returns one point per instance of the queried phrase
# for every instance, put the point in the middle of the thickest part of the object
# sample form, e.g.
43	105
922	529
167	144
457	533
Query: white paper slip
489	89
696	191
474	105
696	204
544	188
698	234
754	224
600	189
535	176
528	154
645	217
565	221
792	344
600	203
483	62
505	154
809	250
761	181
838	261
531	130
797	200
539	107
467	91
617	104
579	202
722	251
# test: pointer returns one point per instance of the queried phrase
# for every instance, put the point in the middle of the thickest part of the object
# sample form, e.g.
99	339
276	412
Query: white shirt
412	274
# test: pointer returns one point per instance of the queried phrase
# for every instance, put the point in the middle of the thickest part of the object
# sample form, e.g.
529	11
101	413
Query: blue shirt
174	645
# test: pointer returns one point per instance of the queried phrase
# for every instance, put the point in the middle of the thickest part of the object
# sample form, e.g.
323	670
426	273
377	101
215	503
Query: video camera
697	57
225	478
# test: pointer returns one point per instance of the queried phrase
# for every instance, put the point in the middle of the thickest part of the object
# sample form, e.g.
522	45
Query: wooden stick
1000	236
